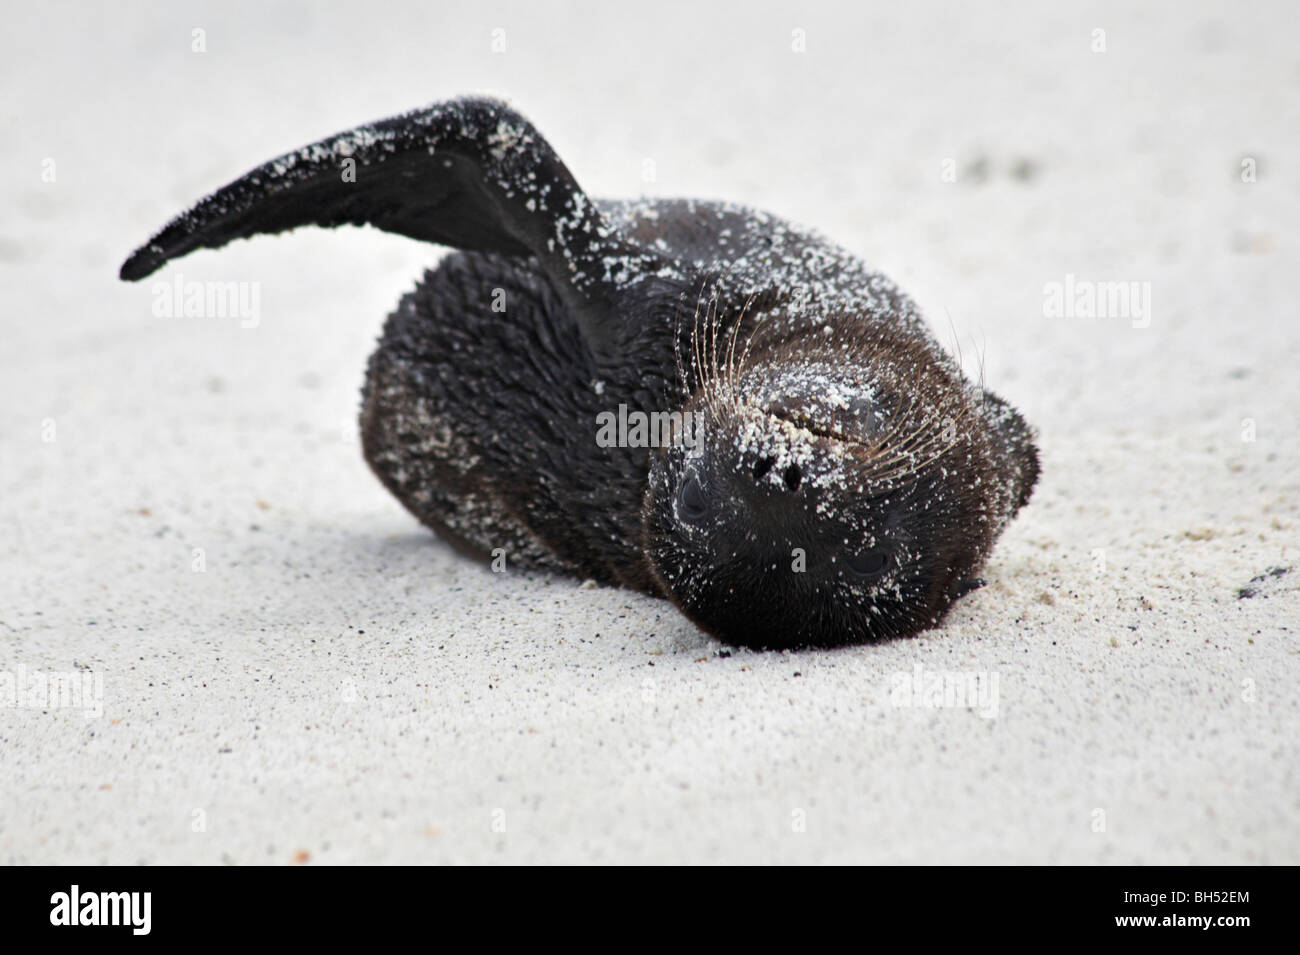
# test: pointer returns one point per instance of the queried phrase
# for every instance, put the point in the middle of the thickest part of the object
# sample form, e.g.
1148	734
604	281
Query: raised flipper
469	173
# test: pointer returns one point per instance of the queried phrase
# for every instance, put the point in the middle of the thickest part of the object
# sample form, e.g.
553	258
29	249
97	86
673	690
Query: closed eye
868	564
692	505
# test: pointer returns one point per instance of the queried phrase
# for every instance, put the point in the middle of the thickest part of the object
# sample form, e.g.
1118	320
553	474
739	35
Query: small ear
1017	440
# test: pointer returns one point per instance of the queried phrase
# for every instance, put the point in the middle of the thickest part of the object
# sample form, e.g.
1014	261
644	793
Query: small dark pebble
1024	170
1253	588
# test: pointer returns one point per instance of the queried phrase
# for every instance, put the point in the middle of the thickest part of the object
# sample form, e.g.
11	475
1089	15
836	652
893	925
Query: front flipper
469	173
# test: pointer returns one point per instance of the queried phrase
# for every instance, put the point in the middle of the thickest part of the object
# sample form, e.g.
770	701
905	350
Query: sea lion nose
768	520
792	476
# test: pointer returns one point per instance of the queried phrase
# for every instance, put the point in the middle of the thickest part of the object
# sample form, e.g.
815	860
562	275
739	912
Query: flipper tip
142	262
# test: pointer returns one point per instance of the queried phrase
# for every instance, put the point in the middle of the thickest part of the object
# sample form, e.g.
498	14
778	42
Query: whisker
731	351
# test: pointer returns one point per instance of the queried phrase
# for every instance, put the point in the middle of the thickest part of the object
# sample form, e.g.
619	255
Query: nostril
792	477
762	466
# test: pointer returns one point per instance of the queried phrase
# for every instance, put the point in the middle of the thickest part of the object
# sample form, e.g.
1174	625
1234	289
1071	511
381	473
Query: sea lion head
834	487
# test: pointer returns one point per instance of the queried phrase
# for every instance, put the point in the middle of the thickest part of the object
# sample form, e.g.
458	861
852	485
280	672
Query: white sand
337	683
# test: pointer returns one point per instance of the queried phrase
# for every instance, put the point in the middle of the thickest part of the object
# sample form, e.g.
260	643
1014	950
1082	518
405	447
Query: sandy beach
273	663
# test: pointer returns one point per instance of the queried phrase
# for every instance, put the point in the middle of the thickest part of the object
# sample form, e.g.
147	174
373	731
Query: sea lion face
833	495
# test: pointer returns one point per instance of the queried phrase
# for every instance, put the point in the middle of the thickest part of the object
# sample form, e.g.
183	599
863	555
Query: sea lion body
846	481
485	429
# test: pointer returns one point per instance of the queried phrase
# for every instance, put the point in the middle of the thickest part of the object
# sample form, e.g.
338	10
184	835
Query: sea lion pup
815	469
